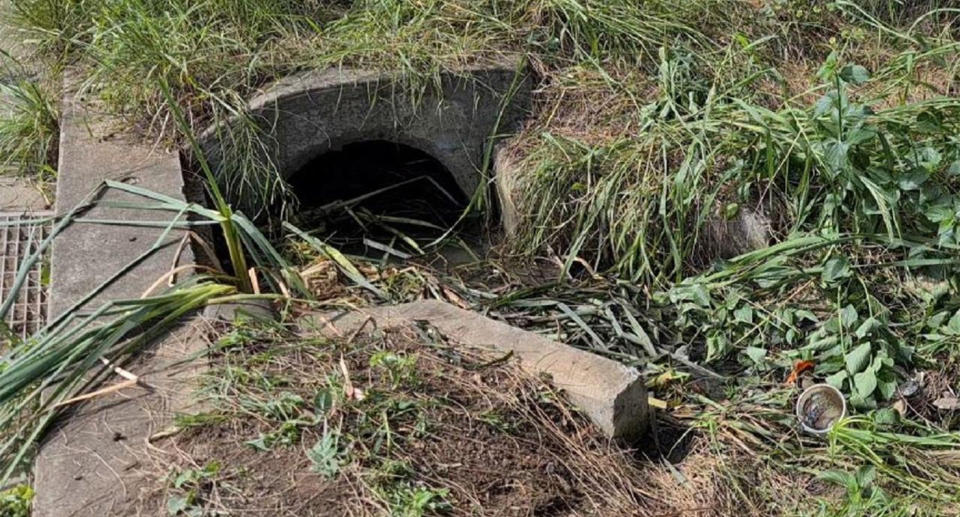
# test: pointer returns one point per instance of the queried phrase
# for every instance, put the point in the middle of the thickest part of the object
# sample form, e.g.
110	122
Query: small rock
726	238
910	388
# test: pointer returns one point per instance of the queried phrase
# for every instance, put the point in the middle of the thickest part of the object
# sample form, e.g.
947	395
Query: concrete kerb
93	458
611	394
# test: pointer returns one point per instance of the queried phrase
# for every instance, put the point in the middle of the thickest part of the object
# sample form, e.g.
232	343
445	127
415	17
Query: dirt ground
421	427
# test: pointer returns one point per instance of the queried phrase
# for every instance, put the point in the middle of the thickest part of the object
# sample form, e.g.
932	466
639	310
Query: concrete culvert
453	121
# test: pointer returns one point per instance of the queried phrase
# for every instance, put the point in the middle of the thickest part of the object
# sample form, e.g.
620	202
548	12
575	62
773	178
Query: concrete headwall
309	114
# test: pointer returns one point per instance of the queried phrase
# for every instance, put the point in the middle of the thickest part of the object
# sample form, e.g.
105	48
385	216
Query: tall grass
29	125
214	53
76	351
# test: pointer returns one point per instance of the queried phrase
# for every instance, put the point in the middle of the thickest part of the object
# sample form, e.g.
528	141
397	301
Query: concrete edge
284	99
611	394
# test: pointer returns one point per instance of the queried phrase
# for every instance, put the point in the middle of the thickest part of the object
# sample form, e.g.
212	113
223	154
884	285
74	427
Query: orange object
799	368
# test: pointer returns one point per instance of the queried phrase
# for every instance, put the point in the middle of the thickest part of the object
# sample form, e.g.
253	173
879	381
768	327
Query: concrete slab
99	459
610	393
88	464
85	255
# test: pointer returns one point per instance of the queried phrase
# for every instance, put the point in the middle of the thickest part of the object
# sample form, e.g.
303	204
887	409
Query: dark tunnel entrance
379	199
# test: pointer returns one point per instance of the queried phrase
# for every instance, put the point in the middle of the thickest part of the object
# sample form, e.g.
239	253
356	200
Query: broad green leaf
820	344
837	477
717	346
880	360
323	401
867	327
836	380
861	135
929	158
865	382
261	443
829	66
825	104
854	74
858	358
953	326
886	388
848	316
695	293
700	295
865	475
836	156
913	179
744	314
177	504
886	416
954	169
324	454
836	269
939	212
756	354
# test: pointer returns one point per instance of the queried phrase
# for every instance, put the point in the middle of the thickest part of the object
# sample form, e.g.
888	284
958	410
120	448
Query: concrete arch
309	114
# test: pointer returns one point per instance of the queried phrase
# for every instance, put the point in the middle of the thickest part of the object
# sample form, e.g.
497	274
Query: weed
284	436
16	501
497	421
325	454
402	369
862	497
189	487
417	501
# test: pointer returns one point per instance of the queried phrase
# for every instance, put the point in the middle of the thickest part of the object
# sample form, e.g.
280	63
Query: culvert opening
379	199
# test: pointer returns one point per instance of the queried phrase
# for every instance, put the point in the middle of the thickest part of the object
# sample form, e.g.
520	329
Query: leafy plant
402	369
286	435
29	126
406	501
16	501
863	498
325	454
189	486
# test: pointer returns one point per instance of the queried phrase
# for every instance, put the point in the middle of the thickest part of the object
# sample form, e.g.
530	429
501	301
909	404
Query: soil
430	418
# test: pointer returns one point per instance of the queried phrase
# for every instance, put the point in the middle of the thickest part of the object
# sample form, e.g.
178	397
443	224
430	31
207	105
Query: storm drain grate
20	236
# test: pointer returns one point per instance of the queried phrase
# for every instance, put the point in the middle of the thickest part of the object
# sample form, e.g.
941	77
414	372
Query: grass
28	130
729	187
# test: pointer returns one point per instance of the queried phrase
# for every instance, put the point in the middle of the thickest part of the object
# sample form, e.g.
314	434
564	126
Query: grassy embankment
660	132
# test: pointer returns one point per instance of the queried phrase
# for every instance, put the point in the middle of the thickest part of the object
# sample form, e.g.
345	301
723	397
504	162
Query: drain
20	236
379	198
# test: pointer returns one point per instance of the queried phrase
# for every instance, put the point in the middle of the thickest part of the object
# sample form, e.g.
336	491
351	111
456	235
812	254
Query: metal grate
21	235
